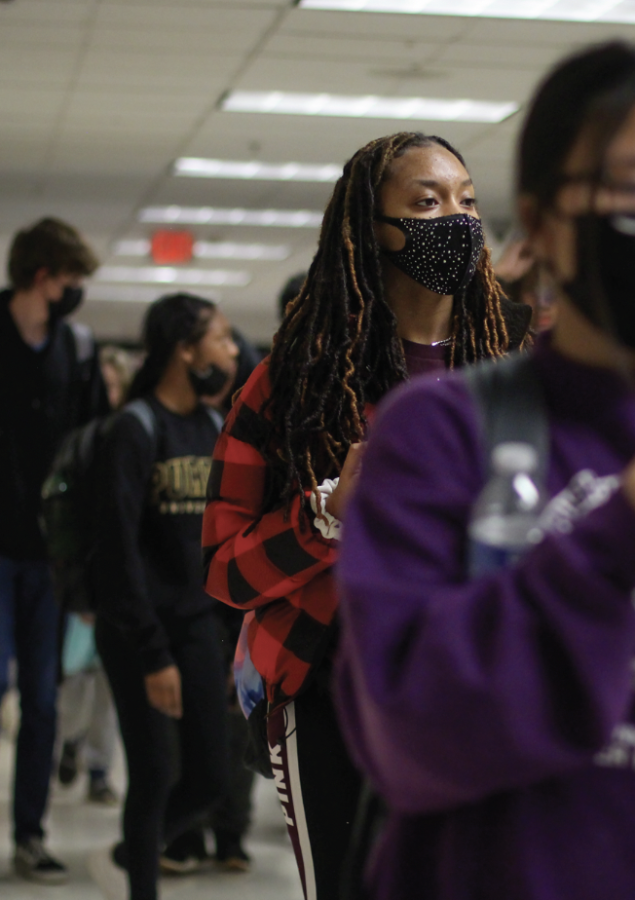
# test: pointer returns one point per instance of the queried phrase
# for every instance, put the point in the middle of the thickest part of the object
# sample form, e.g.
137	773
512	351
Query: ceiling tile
338	24
358	78
306	138
47	35
161	40
41	66
225	20
41	12
371	51
500	32
25	103
98	103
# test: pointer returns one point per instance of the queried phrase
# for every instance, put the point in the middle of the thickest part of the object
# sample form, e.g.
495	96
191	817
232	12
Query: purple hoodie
495	716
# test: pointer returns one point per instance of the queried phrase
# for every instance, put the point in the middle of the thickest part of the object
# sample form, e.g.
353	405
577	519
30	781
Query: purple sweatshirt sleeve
452	690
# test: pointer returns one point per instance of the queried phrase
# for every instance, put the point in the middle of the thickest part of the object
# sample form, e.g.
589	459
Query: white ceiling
99	97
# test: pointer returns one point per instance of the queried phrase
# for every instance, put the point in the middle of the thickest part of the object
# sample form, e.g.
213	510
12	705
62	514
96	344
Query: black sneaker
230	855
186	854
99	791
69	763
32	862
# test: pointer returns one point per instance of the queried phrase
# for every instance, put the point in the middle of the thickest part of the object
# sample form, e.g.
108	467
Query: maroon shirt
423	358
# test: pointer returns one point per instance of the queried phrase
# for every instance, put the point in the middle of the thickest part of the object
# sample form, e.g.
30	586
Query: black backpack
511	406
68	501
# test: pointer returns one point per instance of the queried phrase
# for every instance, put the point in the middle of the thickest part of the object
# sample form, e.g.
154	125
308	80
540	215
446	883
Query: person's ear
529	215
186	352
538	227
41	276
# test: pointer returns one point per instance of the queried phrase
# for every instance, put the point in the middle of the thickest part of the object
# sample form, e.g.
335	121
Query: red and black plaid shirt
266	561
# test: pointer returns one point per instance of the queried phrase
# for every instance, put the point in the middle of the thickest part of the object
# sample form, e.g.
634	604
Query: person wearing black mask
401	284
50	382
156	629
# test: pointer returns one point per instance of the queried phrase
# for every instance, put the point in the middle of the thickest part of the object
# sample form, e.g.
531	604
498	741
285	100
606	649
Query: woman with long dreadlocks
401	284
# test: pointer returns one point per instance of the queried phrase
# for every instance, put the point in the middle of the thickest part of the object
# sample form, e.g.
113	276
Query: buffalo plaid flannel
266	562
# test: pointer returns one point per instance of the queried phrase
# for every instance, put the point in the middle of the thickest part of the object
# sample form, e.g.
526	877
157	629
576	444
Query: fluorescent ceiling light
369	107
140	247
206	215
255	171
134	293
227	250
211	250
563	10
172	275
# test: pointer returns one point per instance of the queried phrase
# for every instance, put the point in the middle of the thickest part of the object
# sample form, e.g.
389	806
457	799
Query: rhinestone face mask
441	254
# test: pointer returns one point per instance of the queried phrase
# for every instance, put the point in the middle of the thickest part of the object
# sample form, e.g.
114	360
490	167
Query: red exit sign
169	247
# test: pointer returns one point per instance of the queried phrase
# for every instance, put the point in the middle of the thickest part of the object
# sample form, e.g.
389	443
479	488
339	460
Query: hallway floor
77	828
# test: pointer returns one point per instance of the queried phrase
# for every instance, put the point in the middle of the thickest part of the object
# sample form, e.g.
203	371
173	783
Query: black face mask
210	382
71	298
604	286
440	254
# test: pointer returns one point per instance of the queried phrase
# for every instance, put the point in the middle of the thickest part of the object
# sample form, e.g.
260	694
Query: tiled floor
77	828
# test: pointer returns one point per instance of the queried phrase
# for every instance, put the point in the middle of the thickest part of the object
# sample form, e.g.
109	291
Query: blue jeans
29	621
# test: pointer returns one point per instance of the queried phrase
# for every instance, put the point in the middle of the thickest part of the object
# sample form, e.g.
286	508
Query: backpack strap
510	399
217	418
144	414
83	341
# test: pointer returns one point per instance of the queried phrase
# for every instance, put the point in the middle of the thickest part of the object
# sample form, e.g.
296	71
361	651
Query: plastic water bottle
505	517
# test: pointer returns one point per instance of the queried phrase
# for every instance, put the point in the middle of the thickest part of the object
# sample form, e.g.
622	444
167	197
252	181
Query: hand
164	691
87	618
337	501
516	261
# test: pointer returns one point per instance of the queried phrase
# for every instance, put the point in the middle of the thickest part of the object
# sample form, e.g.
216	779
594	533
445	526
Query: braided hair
337	348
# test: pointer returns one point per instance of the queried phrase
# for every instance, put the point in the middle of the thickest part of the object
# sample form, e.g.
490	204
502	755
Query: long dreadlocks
337	348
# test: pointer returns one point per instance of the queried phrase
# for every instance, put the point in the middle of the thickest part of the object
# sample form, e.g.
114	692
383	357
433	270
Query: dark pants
232	816
157	809
29	632
318	787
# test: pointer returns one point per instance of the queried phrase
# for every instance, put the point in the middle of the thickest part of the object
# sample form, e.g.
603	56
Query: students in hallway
87	723
495	712
49	383
218	838
401	284
156	629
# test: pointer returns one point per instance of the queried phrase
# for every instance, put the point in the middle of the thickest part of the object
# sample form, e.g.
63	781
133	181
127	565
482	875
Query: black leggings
157	810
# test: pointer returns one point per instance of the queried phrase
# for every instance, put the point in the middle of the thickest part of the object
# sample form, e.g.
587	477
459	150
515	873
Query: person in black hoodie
156	629
50	382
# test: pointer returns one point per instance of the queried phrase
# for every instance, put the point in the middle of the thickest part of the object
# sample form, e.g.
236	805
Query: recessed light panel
563	10
172	275
255	171
228	250
207	215
134	293
368	107
211	250
140	247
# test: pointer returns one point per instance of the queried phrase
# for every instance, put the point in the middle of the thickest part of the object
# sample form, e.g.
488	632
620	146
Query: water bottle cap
514	457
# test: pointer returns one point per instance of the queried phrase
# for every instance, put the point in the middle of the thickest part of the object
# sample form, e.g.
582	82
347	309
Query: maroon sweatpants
318	788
